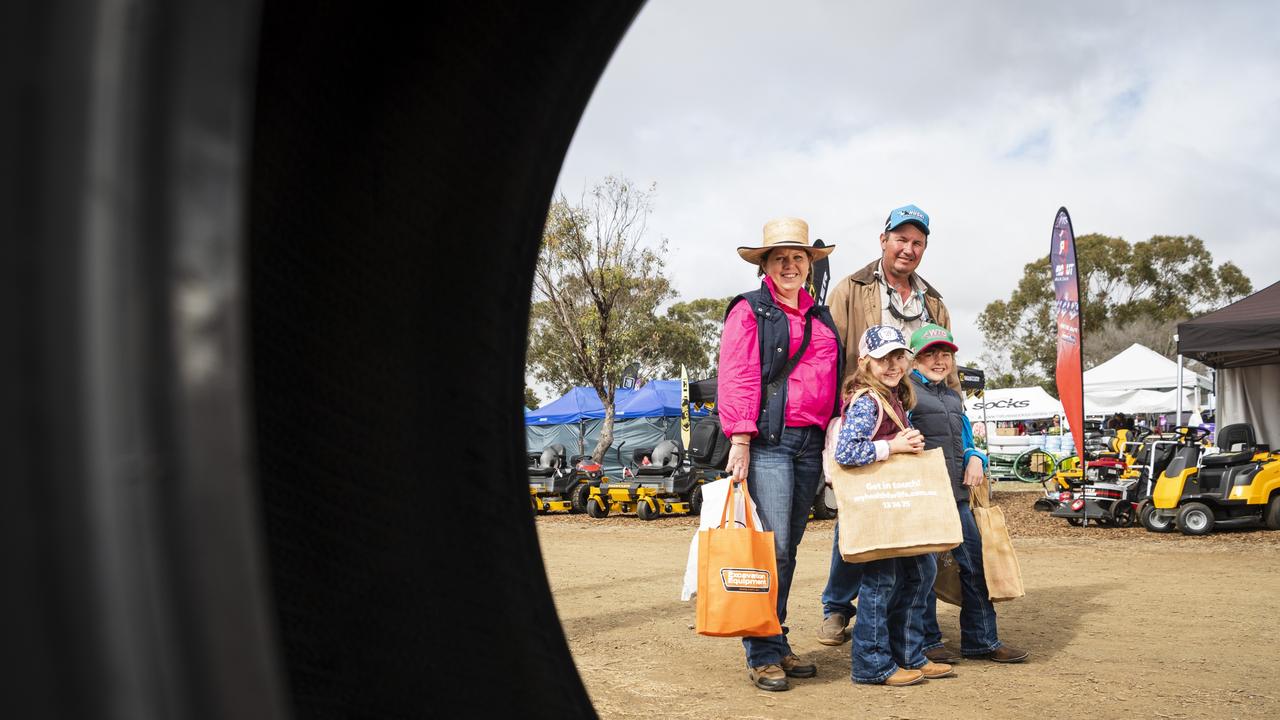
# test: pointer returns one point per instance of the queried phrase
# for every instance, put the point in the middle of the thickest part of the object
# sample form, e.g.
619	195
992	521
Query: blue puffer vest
774	333
939	415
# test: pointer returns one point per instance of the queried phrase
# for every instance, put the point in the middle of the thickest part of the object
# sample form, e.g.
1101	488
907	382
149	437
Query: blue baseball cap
908	214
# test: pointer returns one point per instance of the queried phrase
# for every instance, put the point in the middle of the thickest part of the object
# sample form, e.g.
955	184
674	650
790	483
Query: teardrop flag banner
685	425
1066	290
819	276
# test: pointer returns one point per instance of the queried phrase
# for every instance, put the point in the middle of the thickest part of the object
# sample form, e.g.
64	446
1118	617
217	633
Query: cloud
1142	118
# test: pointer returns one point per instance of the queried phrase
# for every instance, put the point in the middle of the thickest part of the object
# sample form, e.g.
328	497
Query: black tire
1272	516
1075	522
1149	520
647	509
596	510
1195	518
695	501
822	511
184	475
1123	514
578	497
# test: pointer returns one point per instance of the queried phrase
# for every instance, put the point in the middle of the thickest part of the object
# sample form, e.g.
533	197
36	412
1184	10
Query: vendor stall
1242	340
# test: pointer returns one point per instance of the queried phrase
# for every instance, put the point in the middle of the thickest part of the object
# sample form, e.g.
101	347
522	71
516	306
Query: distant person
888	292
939	414
776	442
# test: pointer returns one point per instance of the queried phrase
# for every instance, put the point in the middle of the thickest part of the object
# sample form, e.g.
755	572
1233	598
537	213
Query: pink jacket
810	388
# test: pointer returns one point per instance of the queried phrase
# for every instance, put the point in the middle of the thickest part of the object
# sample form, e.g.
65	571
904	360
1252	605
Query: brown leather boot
1004	654
834	630
769	677
794	667
933	670
942	655
904	677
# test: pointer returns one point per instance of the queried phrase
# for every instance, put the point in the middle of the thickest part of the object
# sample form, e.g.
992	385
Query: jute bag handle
979	495
880	403
728	512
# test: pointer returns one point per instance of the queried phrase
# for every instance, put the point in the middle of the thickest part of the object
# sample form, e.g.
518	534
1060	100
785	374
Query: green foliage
596	289
531	400
689	334
1158	281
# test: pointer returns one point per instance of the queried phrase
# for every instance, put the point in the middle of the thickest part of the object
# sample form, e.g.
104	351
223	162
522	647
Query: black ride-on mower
1237	486
556	485
1113	484
658	481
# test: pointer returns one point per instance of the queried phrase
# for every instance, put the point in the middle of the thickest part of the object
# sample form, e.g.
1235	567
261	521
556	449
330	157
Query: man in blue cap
885	292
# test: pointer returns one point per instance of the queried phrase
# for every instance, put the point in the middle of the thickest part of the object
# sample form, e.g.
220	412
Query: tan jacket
855	306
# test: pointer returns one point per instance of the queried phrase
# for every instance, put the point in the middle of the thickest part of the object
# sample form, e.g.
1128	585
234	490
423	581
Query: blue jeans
888	631
843	580
977	614
783	480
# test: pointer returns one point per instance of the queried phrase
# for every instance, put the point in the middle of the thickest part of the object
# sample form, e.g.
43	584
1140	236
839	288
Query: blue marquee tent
642	418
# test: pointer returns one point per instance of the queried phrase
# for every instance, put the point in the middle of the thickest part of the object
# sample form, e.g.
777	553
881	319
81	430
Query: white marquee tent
1139	367
1141	380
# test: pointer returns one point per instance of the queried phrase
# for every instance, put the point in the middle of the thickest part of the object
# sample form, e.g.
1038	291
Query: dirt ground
1120	623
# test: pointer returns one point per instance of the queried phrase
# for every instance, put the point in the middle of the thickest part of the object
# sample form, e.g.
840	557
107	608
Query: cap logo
936	333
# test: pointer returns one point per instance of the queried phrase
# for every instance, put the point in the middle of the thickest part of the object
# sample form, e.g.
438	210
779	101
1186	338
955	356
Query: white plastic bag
713	495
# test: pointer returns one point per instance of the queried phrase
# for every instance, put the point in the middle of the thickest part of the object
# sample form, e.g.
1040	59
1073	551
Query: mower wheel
647	509
821	510
597	510
1195	519
1150	521
1272	516
578	497
1122	514
695	501
1075	522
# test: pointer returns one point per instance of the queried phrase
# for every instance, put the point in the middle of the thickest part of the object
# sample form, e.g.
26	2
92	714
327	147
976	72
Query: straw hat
784	232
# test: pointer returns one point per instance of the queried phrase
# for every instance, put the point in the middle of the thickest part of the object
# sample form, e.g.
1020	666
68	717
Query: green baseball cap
930	335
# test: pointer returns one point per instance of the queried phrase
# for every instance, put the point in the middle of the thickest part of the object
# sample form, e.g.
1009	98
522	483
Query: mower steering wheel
1191	434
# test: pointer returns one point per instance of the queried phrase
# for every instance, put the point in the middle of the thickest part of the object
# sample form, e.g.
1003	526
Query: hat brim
909	221
950	346
887	348
754	255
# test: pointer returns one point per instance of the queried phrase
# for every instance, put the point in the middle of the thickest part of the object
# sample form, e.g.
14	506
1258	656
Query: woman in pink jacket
780	359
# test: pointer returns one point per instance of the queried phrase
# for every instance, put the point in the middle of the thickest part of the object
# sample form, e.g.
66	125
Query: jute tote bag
999	562
897	507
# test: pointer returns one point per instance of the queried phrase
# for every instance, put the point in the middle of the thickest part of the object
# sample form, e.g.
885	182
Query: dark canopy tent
1242	340
1242	334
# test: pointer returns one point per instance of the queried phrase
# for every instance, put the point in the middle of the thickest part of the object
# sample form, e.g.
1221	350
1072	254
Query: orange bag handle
728	514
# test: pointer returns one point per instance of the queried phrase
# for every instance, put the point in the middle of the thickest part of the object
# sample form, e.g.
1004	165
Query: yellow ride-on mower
664	485
556	485
1238	486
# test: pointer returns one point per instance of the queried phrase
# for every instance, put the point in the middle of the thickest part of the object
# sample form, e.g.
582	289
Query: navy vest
939	414
774	334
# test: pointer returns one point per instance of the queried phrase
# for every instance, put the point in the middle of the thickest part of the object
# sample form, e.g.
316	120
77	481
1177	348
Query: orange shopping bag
737	575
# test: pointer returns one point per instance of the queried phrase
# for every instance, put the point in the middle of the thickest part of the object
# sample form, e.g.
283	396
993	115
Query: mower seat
1237	434
551	460
664	460
1227	458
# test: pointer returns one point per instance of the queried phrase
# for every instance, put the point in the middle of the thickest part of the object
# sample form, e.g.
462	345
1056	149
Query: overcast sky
1142	118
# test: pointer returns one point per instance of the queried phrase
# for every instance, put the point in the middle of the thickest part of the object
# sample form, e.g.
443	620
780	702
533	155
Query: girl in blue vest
888	631
939	414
